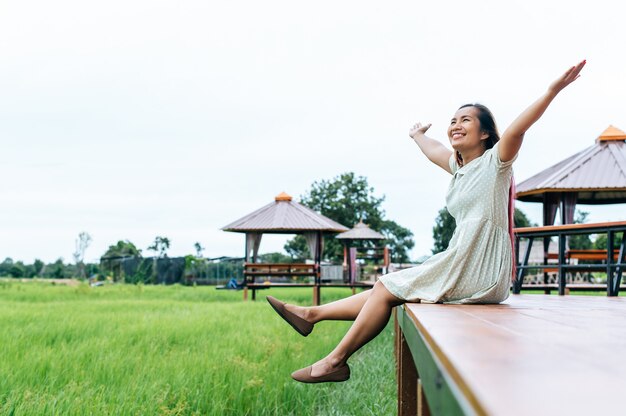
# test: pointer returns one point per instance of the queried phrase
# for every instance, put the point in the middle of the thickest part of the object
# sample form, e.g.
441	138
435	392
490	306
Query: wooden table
531	355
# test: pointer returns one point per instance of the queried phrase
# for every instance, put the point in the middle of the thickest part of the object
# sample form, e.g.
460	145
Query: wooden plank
591	287
291	265
590	254
445	394
263	285
279	273
560	354
566	227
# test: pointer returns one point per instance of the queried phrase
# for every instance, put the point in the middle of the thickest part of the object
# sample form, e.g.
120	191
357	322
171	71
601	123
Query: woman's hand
567	78
511	139
432	149
418	129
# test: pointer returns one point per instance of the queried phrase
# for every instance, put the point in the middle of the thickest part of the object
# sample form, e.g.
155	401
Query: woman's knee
381	291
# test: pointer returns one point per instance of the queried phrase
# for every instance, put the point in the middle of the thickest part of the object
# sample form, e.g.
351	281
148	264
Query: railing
613	264
285	273
279	269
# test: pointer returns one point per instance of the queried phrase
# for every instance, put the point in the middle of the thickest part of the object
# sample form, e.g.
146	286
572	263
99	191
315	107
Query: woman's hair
487	125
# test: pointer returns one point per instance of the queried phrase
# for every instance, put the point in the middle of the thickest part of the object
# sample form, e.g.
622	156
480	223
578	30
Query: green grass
174	350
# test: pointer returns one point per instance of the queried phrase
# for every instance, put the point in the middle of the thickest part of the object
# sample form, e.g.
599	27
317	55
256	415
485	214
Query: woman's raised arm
434	150
511	139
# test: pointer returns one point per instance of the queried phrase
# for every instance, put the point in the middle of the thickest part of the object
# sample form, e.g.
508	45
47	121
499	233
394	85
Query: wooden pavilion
284	216
596	175
361	232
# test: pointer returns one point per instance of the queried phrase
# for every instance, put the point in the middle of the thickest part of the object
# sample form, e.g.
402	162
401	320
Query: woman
477	265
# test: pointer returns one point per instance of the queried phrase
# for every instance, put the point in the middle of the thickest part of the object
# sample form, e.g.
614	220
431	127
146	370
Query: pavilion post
245	277
318	270
550	206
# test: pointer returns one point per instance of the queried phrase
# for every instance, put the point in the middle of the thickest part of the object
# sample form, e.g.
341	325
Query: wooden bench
290	270
531	355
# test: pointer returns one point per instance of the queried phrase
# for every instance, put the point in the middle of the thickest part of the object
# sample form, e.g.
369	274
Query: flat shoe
303	327
304	375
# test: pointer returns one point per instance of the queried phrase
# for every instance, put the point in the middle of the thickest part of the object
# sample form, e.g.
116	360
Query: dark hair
487	125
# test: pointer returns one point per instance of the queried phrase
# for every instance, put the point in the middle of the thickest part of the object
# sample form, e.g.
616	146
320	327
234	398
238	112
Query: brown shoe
303	327
304	375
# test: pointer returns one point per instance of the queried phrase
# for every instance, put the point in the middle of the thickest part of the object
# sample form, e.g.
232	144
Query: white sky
132	119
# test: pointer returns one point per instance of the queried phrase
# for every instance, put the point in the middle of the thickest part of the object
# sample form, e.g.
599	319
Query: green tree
17	270
56	270
443	230
600	243
348	198
274	258
580	241
38	266
160	246
521	220
122	249
112	259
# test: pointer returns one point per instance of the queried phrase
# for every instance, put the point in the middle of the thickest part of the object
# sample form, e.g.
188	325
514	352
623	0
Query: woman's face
464	130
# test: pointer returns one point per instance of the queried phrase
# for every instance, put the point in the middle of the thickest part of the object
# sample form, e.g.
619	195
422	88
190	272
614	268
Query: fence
613	259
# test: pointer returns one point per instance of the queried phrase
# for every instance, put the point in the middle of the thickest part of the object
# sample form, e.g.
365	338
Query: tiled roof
284	216
361	232
597	174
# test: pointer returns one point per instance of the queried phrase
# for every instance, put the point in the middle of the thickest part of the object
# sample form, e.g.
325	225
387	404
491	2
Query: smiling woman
478	264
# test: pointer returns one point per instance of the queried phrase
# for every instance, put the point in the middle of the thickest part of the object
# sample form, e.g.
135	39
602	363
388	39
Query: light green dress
477	265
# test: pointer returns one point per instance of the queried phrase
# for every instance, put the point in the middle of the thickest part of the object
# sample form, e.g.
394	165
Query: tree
199	249
17	270
580	241
601	241
122	249
112	259
82	242
445	226
443	230
56	270
347	199
160	246
274	258
38	266
5	266
521	220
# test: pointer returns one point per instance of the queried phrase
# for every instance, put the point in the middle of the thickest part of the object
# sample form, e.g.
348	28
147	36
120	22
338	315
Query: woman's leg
345	309
370	322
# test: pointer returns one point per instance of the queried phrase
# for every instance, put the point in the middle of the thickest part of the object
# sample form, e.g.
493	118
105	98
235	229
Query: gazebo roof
597	174
284	216
361	231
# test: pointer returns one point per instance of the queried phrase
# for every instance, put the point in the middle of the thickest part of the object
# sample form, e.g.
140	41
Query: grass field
174	350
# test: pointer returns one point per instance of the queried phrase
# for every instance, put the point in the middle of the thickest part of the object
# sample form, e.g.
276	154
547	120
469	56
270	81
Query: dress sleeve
452	163
496	158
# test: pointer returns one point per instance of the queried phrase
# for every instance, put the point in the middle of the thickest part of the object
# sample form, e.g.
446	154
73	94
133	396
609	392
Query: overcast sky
136	119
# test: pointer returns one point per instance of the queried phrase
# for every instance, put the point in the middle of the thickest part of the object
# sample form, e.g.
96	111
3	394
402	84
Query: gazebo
596	175
283	216
360	232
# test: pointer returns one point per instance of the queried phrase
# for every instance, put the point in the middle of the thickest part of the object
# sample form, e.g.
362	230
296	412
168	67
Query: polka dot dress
476	267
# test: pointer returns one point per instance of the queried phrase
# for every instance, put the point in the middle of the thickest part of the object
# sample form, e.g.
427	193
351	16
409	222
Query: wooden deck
532	355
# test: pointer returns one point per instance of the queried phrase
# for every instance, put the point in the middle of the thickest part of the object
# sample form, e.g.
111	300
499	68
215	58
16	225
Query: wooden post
386	258
406	374
318	270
